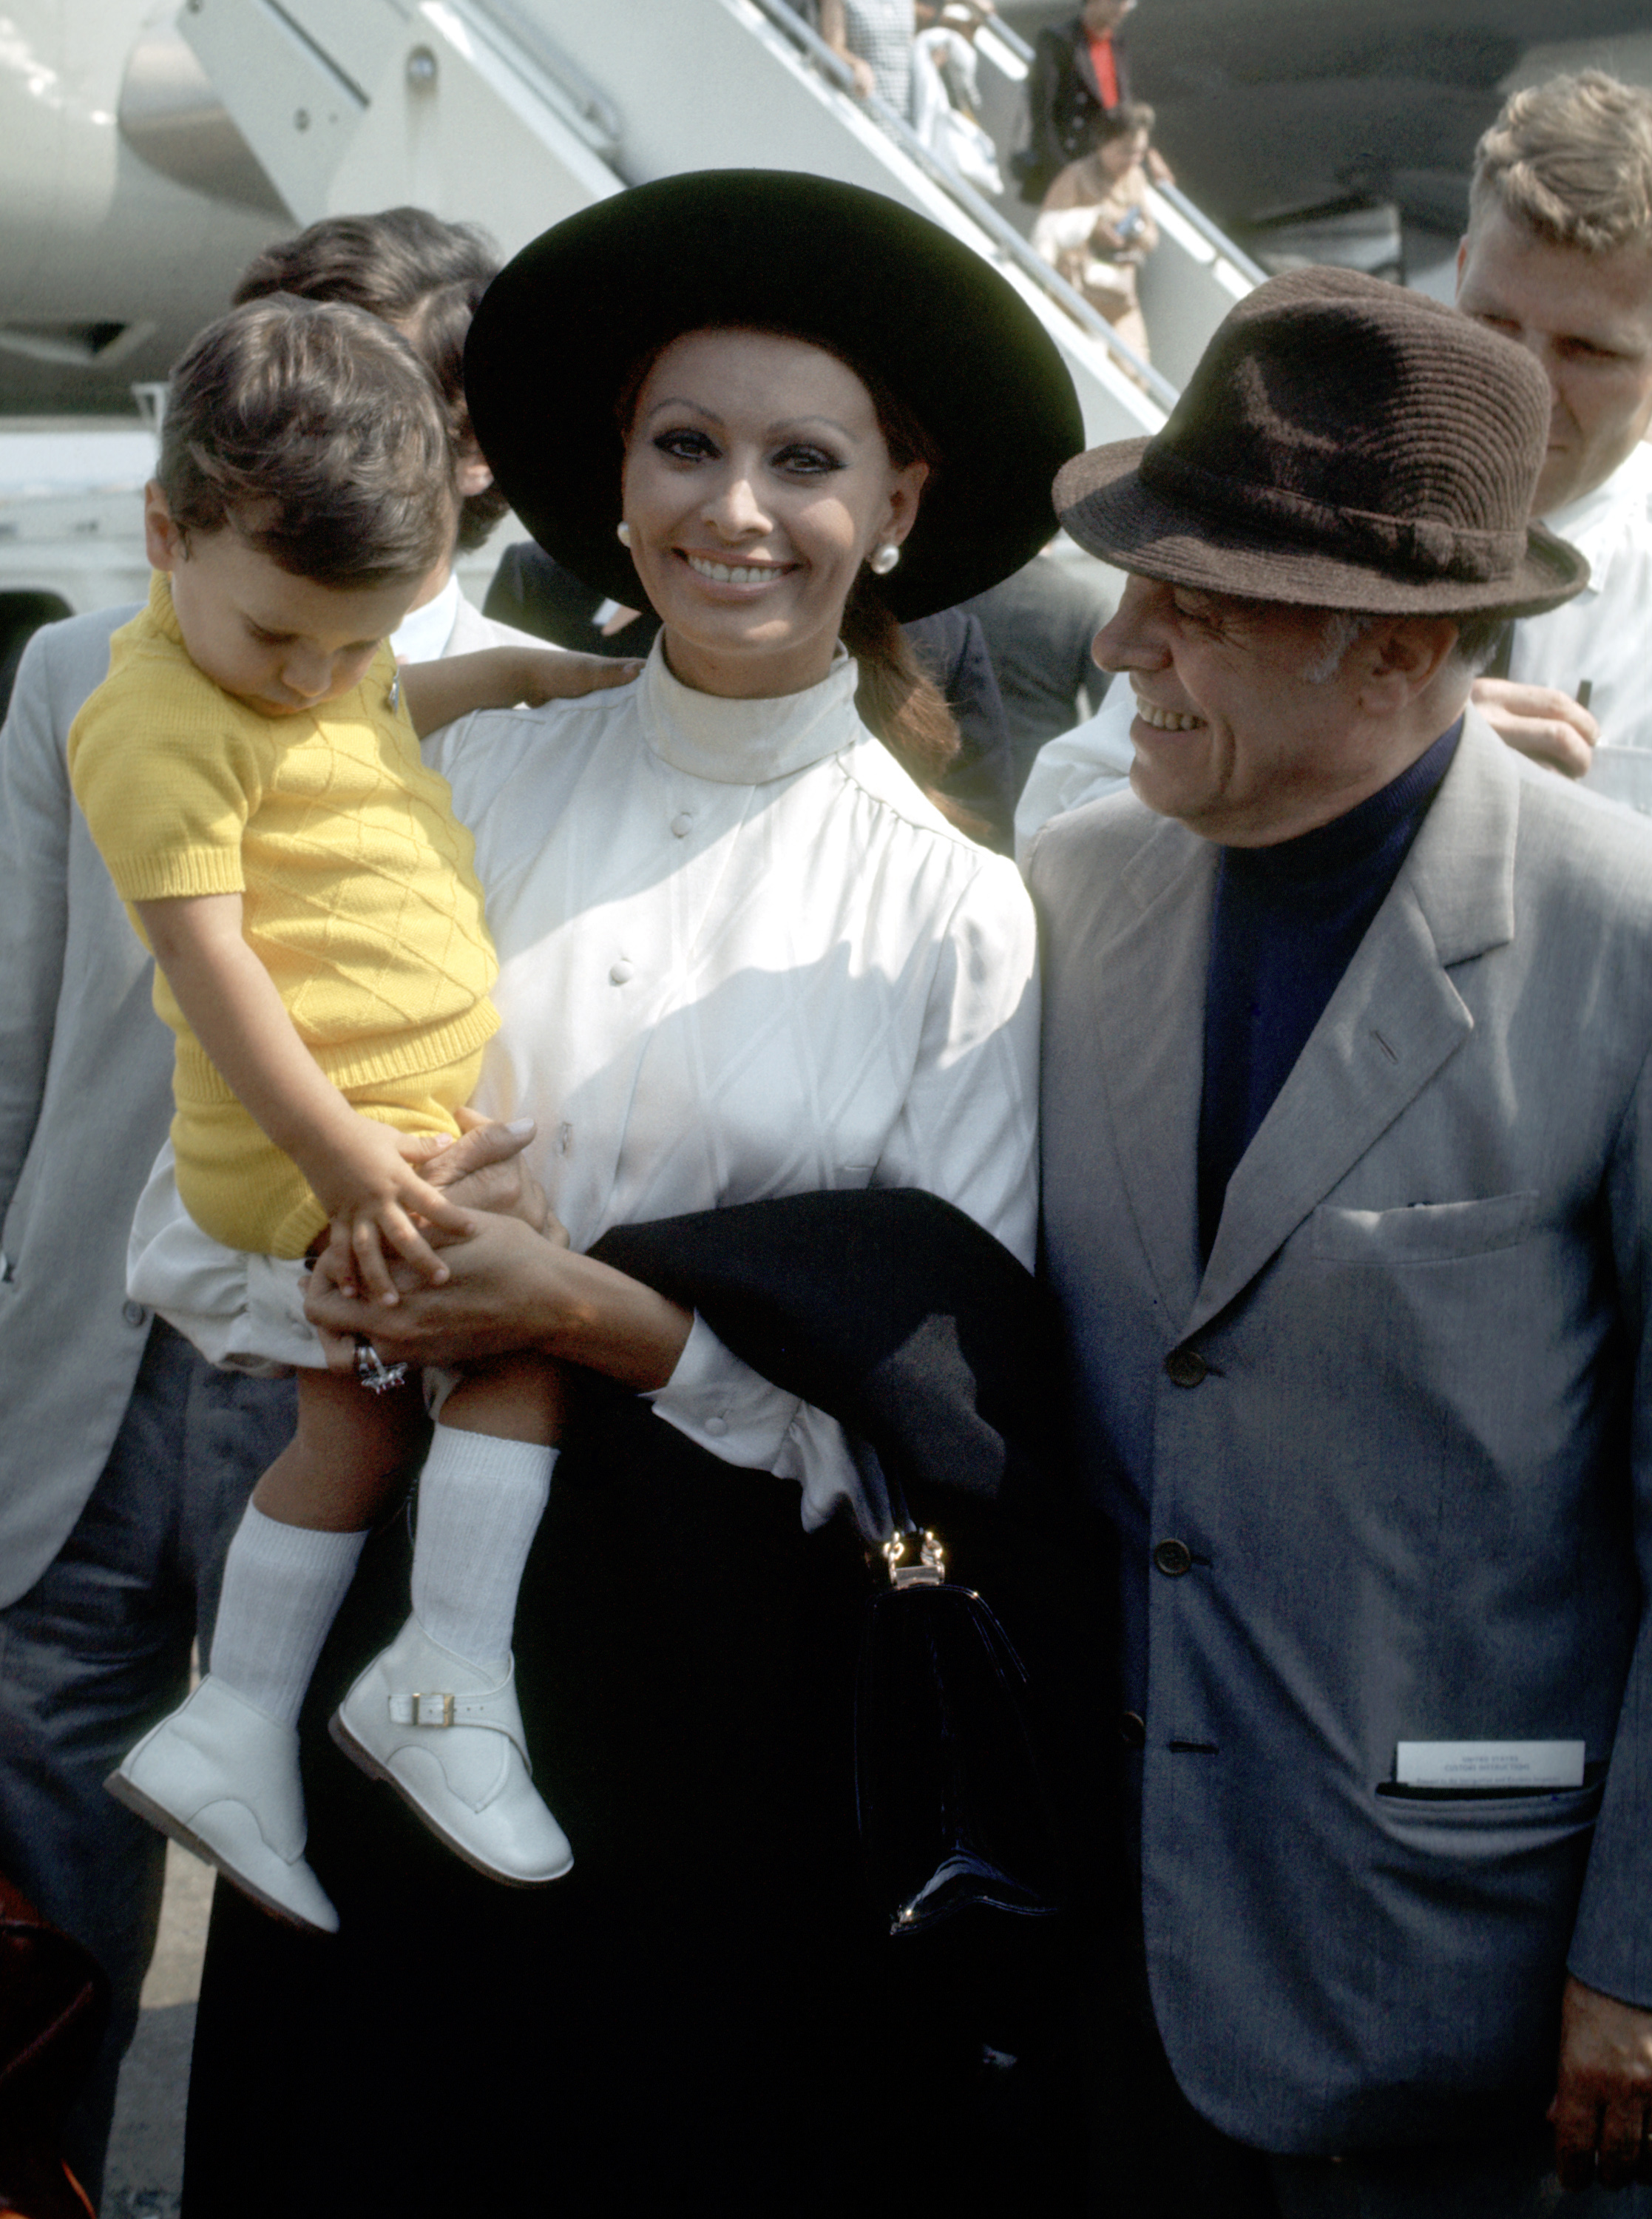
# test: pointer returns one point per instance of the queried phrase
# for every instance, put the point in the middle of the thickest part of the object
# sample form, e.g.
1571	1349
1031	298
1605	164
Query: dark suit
1064	99
534	592
1038	624
952	649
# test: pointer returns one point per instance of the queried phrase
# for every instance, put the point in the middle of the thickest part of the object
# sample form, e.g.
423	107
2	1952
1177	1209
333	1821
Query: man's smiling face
1231	734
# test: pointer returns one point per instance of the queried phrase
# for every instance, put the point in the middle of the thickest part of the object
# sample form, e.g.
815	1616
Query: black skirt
704	2012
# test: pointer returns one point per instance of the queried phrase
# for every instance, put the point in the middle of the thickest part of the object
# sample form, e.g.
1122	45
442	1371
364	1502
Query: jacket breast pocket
1420	1232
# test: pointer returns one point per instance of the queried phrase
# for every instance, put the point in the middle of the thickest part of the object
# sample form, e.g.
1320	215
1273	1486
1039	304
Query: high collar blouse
741	954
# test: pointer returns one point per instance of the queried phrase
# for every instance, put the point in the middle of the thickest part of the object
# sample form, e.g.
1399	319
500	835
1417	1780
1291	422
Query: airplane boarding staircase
517	112
173	151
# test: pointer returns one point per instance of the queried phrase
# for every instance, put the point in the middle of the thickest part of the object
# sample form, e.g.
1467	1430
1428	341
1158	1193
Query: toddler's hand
373	1196
549	675
440	693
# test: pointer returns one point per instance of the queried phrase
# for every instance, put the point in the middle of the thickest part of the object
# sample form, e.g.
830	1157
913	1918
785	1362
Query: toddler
251	773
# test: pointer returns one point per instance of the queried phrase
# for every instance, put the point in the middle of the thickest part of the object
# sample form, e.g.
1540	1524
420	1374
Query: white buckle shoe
456	1755
221	1776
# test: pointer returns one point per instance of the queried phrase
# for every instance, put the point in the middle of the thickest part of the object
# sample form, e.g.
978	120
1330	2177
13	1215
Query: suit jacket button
1173	1558
1132	1730
1186	1366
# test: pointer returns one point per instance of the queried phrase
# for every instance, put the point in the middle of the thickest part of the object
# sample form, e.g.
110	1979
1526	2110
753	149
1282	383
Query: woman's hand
485	1169
509	1289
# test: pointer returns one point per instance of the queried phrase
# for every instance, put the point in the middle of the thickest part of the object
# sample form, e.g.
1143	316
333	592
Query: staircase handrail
1212	233
974	205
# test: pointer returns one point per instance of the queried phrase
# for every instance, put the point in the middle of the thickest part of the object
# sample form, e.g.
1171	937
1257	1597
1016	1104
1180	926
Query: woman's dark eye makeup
807	460
686	443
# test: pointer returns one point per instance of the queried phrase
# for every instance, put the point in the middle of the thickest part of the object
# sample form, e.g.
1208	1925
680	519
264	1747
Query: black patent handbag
955	1826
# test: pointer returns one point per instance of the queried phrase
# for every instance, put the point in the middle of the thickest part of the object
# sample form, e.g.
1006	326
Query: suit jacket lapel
1148	986
1394	1020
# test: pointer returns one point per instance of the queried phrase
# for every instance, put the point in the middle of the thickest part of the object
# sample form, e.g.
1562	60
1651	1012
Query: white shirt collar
1598	523
738	742
423	633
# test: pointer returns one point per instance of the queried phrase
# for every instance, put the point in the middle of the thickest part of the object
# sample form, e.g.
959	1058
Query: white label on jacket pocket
1464	1764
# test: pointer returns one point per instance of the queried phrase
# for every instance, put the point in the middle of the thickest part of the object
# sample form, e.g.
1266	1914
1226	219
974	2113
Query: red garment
1107	70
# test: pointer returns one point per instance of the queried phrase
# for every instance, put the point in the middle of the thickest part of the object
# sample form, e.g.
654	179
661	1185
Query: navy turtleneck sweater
1288	920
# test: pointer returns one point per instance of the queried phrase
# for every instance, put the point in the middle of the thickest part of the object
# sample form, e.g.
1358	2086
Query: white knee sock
282	1587
480	1502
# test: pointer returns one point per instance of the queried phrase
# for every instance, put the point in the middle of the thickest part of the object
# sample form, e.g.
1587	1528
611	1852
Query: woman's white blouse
741	955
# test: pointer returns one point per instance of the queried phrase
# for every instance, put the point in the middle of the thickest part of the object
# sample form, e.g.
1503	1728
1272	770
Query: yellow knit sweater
358	891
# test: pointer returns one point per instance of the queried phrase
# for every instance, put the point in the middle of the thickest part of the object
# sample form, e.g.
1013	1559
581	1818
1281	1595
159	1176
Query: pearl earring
623	535
884	561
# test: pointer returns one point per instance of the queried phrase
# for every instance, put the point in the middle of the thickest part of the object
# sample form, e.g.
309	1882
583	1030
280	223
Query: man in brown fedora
1348	1206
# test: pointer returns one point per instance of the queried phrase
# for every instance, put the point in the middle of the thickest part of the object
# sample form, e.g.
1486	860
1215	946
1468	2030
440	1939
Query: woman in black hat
742	954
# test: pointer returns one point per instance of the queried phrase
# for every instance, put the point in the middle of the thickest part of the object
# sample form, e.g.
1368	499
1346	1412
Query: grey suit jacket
1399	1424
86	1102
85	1099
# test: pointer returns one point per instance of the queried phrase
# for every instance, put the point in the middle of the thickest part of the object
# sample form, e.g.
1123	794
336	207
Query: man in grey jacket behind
126	1459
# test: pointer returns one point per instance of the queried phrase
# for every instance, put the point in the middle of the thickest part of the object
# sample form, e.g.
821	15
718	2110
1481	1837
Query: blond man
1558	255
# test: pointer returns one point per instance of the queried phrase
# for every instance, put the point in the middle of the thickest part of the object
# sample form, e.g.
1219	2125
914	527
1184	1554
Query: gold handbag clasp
930	1569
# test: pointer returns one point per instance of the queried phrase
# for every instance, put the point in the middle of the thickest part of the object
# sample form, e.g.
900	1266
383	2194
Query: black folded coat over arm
895	1313
923	1336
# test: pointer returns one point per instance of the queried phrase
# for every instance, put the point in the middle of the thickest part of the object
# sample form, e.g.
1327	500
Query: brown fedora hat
1343	443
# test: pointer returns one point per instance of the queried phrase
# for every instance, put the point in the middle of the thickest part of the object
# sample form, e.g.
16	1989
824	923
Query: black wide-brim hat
568	321
1343	443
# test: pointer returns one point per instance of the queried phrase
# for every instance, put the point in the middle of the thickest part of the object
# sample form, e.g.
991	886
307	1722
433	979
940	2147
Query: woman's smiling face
757	480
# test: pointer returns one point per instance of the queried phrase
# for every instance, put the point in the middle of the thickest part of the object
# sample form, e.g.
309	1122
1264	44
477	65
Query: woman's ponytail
898	700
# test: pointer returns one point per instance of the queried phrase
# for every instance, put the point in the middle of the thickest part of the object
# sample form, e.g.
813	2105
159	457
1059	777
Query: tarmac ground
144	2178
